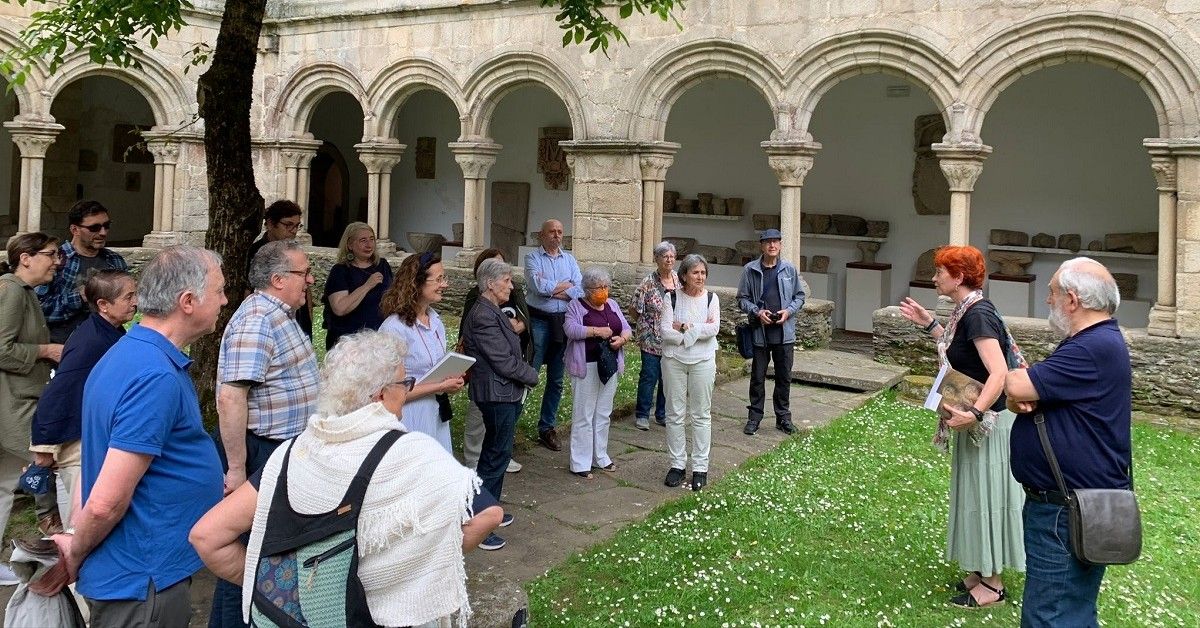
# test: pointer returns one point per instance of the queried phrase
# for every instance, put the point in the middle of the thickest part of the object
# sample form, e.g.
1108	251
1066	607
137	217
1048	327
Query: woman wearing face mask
594	324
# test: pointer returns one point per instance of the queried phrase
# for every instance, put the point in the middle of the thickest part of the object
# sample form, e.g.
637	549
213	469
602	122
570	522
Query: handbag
744	334
445	411
606	364
1105	526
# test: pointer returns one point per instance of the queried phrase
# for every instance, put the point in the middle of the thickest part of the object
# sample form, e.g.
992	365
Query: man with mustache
62	302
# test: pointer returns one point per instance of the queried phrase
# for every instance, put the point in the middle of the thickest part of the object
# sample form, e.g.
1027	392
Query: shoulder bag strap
1040	420
357	490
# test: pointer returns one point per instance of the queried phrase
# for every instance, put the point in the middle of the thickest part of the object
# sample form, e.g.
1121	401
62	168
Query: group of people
144	494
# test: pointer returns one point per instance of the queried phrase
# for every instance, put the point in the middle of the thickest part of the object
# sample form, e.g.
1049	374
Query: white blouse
699	342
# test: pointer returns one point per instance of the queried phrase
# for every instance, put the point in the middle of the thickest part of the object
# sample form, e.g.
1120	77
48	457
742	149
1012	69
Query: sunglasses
97	227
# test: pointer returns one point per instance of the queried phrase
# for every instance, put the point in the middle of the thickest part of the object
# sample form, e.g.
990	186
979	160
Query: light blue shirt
426	345
544	271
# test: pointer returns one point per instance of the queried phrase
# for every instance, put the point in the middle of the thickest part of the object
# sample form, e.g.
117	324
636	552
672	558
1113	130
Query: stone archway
338	193
427	185
10	166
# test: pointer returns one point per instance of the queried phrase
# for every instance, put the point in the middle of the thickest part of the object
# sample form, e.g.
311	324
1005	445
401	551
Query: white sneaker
7	577
513	466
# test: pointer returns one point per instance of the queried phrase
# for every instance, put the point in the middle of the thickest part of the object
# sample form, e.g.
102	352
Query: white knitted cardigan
410	530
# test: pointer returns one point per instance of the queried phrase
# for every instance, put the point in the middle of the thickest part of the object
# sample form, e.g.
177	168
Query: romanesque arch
838	58
498	76
162	89
681	67
393	86
305	89
29	95
1145	54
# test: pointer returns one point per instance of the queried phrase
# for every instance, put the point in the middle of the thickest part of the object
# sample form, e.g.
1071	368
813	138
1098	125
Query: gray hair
489	271
595	277
662	248
172	272
1096	291
356	368
271	260
688	263
104	284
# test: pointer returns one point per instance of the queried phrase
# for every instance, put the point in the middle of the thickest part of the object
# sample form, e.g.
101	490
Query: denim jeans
500	423
552	355
649	380
782	356
1059	590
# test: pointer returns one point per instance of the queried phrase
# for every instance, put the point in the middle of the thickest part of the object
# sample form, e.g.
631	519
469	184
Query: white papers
452	364
934	400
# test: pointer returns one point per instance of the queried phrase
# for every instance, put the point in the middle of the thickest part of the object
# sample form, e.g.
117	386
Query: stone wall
1166	375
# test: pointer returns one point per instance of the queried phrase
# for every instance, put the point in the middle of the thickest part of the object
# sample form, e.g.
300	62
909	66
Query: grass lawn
846	527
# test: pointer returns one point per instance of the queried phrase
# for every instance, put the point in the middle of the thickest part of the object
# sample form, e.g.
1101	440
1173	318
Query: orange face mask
598	297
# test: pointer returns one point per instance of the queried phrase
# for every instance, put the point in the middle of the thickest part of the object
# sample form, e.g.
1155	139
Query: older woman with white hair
690	324
596	331
499	378
414	523
648	302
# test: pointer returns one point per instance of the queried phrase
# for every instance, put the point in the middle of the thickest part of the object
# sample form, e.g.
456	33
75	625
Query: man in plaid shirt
61	301
267	380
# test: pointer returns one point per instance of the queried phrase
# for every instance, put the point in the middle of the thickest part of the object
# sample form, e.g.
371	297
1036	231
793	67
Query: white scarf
410	530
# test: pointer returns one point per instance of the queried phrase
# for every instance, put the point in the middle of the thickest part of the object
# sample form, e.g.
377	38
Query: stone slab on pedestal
1012	294
867	289
1134	313
818	285
845	370
162	239
924	293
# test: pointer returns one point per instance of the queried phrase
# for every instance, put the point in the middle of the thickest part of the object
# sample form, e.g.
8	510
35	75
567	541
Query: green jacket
22	375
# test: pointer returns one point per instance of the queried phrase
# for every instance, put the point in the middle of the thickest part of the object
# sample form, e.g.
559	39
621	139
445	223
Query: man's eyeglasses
291	226
302	273
106	225
407	383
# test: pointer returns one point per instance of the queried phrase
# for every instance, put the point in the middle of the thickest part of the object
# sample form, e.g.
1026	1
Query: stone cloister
350	99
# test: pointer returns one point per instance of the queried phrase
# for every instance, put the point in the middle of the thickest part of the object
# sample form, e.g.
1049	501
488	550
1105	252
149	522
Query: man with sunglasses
281	221
61	299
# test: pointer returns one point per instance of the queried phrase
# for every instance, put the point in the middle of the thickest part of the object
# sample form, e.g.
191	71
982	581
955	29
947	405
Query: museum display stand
867	289
1012	294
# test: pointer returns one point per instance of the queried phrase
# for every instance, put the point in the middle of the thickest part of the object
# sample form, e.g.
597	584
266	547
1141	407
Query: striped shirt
264	348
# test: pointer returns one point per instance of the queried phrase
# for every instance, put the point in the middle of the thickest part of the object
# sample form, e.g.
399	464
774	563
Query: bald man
552	279
1084	390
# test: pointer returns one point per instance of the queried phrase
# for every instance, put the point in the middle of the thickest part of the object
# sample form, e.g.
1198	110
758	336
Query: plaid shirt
60	298
264	347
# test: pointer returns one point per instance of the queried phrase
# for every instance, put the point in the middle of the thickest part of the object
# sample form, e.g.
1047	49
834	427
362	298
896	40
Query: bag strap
357	491
1040	420
707	304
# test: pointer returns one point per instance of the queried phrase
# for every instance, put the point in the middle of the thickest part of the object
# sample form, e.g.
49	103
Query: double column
1179	221
33	139
380	158
961	164
655	159
475	159
165	150
1162	162
297	155
791	161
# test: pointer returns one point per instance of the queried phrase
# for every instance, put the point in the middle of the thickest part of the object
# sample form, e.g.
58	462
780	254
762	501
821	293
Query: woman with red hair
984	533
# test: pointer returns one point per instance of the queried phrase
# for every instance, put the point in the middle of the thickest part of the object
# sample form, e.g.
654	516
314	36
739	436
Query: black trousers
781	355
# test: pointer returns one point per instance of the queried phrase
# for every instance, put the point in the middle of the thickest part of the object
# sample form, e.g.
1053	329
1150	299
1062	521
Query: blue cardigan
59	414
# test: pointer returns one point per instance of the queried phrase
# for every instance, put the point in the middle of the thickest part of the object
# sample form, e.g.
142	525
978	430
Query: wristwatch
978	413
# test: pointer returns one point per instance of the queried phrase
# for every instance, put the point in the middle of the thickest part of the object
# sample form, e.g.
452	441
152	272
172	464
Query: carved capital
475	158
164	152
654	167
379	157
1164	173
791	160
961	164
33	138
298	153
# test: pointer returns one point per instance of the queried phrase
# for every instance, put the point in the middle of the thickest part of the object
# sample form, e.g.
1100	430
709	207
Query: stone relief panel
426	158
552	159
931	195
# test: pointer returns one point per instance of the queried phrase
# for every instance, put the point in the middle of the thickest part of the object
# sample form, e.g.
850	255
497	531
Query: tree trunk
225	92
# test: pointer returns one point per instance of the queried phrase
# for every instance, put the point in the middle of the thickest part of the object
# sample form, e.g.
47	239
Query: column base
464	257
1162	321
162	239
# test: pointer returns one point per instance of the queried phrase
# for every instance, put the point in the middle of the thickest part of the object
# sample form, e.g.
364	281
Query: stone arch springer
162	89
835	59
395	84
31	102
680	68
1133	48
498	76
305	88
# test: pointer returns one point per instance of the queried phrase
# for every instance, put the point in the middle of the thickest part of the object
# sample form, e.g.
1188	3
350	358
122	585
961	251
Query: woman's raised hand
915	312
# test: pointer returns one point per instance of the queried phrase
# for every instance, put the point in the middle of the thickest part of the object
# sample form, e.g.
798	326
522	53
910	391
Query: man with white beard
1084	391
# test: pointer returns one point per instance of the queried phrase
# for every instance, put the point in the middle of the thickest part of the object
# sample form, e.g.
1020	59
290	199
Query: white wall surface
426	205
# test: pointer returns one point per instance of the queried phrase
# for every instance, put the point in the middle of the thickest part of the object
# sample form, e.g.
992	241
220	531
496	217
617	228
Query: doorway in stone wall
338	179
329	196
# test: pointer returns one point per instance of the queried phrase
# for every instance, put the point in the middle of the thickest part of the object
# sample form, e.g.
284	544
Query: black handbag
1105	523
445	410
606	365
744	334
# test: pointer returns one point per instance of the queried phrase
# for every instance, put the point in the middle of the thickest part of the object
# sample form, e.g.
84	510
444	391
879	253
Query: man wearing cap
771	293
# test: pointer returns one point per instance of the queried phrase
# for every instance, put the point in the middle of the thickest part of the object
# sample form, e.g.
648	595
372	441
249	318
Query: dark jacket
499	374
517	301
59	413
791	293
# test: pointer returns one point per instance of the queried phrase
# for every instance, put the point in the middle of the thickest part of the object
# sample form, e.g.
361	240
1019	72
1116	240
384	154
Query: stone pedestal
867	290
924	293
1012	294
1135	313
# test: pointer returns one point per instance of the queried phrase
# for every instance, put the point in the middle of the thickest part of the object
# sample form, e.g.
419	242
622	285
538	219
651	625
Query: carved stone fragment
683	246
1095	245
765	221
685	206
1011	262
1144	243
1044	241
457	230
878	228
1007	237
820	223
802	264
1127	285
1070	241
734	205
820	264
925	266
716	254
704	203
747	248
718	208
867	252
425	242
669	198
845	224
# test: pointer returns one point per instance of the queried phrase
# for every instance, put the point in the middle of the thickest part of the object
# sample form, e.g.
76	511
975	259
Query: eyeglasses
106	225
439	280
55	254
302	273
291	226
407	383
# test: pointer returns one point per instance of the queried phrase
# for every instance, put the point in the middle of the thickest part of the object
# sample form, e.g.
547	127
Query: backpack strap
357	491
707	304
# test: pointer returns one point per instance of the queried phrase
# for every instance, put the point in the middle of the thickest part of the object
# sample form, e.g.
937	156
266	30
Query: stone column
380	158
297	155
1162	315
166	157
475	159
791	161
655	159
961	164
33	139
606	200
1187	273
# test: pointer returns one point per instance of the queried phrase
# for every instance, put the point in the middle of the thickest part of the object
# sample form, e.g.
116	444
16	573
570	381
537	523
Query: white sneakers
7	577
513	466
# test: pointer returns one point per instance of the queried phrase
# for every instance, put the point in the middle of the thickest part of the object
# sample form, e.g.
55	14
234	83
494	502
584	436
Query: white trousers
591	415
689	393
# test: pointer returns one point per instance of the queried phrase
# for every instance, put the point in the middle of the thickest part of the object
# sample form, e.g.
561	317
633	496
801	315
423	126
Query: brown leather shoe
549	440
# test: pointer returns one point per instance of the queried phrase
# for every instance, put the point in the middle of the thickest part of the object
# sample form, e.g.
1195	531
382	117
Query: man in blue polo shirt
1084	390
149	470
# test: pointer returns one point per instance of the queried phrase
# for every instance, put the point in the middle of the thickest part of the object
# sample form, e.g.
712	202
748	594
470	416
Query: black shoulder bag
1105	524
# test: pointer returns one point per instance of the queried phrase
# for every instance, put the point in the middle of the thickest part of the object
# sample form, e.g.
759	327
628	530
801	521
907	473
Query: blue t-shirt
348	278
1085	392
140	399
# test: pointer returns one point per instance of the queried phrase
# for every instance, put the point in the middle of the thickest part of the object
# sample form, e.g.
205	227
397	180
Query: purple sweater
576	358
